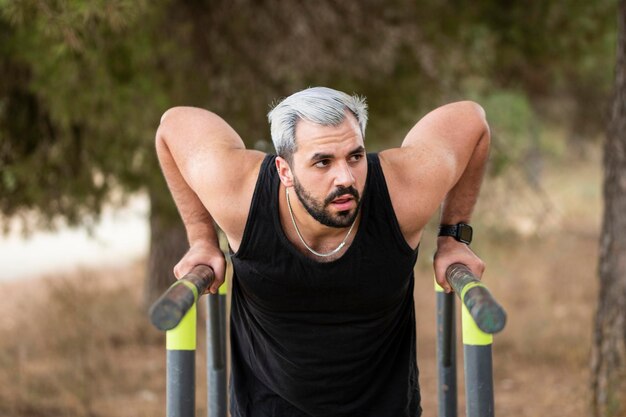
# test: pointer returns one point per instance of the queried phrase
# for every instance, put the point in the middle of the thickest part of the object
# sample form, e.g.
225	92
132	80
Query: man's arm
442	159
211	177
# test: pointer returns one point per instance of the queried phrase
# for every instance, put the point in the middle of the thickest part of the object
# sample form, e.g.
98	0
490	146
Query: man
324	240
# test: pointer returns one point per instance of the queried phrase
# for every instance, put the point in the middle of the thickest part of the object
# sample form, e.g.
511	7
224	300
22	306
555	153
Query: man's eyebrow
358	149
318	155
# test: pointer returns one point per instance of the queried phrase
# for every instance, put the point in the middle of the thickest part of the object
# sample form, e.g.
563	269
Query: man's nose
343	175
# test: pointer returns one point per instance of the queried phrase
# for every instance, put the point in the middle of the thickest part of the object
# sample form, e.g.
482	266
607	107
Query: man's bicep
212	159
193	135
448	133
438	148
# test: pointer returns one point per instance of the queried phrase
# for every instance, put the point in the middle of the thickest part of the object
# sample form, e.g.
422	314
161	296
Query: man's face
329	170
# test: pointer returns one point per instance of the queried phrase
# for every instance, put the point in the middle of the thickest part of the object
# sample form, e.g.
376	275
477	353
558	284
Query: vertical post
216	354
478	368
446	353
481	317
181	360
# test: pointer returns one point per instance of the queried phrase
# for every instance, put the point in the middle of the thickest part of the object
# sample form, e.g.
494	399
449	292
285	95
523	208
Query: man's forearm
196	218
461	199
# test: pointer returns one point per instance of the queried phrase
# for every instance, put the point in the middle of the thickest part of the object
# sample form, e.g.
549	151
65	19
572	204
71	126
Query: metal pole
478	368
176	313
181	359
216	354
446	353
481	317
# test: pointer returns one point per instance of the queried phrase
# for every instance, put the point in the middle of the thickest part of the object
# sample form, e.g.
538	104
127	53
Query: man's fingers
477	268
177	270
219	269
184	267
440	277
217	282
215	286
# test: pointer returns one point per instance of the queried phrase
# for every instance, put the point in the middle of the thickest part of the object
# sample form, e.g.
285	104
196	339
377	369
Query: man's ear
284	171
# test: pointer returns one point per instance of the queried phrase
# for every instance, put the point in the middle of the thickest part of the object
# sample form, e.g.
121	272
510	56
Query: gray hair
320	105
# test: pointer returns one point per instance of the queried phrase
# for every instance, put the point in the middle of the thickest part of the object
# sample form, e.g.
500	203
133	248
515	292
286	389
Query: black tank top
323	339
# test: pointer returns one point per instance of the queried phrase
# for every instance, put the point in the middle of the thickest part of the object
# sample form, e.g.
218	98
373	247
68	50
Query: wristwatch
462	232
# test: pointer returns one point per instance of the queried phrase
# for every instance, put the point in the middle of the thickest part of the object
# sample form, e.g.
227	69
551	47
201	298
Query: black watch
462	232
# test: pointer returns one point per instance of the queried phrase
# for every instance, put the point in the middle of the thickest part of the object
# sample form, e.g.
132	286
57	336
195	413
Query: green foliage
513	126
85	81
77	106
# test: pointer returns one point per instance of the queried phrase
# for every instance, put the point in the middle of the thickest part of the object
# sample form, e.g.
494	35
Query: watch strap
462	232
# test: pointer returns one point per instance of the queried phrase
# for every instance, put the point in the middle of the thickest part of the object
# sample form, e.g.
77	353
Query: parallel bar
216	355
478	368
446	354
170	308
487	313
181	359
481	317
180	390
479	381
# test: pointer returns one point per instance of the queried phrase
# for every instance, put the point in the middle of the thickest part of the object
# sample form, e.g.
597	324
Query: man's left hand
450	251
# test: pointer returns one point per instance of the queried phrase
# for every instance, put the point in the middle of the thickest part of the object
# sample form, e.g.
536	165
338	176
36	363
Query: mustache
342	191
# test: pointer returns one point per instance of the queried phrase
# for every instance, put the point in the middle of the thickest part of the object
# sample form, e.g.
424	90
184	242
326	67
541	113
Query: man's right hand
203	253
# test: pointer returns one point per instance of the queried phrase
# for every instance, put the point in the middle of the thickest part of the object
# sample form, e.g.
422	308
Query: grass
75	346
81	346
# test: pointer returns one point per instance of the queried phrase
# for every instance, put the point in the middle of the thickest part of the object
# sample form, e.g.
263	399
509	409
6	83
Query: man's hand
451	251
203	253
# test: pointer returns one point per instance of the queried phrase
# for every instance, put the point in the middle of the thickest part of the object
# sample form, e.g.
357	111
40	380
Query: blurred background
90	234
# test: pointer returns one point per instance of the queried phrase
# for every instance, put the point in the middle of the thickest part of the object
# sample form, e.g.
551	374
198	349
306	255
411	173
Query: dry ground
82	346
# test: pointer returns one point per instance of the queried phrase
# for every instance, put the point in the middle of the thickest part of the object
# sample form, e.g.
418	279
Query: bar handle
171	307
489	316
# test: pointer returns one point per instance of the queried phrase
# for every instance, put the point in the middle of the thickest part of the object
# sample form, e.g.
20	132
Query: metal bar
478	368
488	315
216	355
479	381
180	389
176	312
169	309
181	358
481	317
446	354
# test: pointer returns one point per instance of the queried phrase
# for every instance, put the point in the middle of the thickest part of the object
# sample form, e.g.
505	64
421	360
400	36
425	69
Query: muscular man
324	240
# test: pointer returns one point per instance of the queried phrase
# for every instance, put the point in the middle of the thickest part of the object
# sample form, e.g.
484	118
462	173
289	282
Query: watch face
465	233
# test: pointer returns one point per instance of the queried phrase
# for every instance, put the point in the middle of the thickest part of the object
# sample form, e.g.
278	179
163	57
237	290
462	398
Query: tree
609	348
88	80
78	109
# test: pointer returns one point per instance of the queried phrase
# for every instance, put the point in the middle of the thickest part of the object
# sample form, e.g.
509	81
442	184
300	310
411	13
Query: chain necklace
323	255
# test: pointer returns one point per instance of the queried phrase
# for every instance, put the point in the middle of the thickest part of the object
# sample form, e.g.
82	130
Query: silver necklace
323	255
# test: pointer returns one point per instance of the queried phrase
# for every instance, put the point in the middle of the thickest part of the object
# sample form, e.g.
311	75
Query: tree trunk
168	244
609	349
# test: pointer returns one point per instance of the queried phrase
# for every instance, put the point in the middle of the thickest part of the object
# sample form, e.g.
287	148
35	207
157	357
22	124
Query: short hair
320	105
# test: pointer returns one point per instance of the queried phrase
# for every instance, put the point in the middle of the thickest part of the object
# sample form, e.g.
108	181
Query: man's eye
322	164
356	157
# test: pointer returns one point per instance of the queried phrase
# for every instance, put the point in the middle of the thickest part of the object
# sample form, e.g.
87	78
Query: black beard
319	210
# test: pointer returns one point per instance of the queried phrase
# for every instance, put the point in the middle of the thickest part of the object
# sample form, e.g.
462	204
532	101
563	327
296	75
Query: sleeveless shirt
334	339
